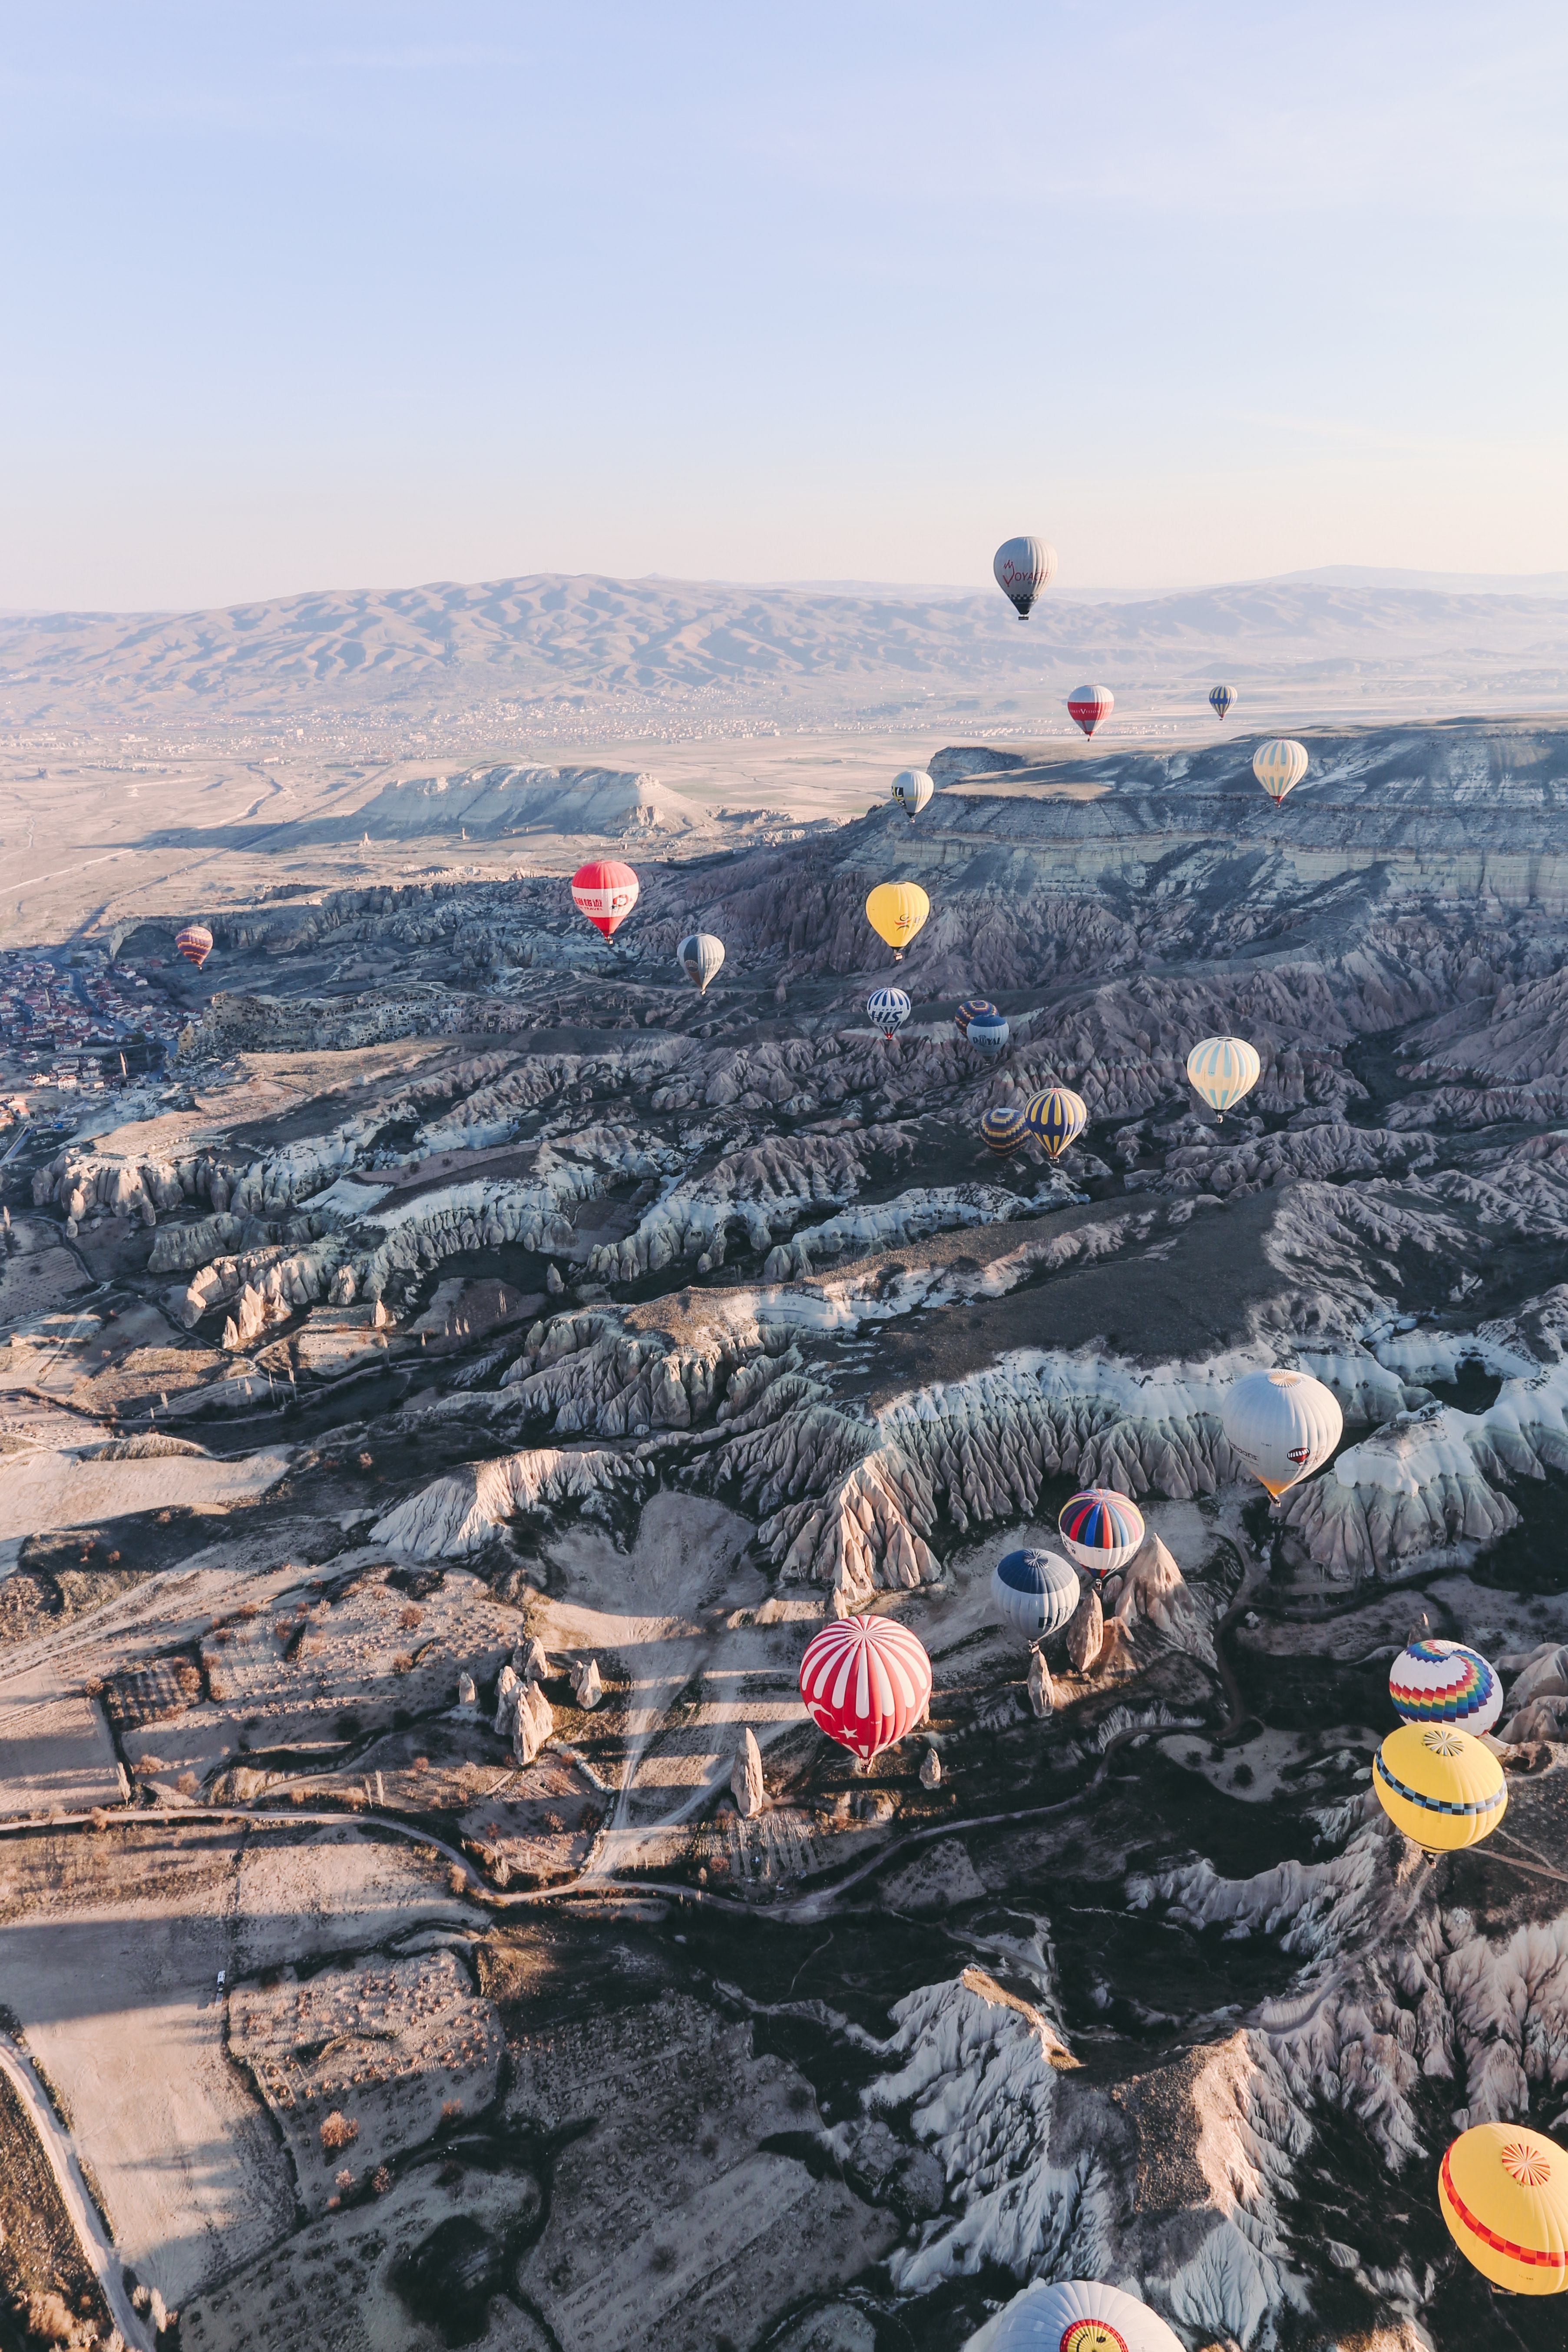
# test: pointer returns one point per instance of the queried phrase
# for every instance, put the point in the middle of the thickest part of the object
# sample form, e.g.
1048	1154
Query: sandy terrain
60	1490
55	1747
118	2006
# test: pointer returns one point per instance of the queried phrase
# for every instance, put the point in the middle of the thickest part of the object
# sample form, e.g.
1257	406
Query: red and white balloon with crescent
866	1681
605	891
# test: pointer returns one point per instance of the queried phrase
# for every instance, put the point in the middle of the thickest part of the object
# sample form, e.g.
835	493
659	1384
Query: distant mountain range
611	649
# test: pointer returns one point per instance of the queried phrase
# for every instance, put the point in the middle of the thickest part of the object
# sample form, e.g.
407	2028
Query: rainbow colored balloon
1101	1528
1442	1681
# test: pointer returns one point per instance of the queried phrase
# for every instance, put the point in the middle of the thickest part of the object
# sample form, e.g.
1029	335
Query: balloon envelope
605	891
1023	567
967	1010
1283	1425
1279	766
1220	699
1034	1590
1503	2192
988	1033
700	956
1443	1787
1223	1069
913	788
1005	1127
1089	705
1100	1528
895	911
195	943
1074	2316
866	1681
889	1008
1056	1116
1443	1681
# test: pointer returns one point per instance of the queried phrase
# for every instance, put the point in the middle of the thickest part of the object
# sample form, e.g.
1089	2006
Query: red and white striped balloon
866	1681
605	891
1087	705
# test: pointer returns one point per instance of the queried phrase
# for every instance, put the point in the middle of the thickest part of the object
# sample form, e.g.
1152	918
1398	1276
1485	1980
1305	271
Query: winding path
85	2217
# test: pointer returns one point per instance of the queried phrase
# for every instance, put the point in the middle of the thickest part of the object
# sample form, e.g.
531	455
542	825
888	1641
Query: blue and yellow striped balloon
1223	1069
1055	1117
1220	699
1005	1127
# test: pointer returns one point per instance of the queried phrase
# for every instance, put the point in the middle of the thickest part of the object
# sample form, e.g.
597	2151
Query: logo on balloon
1093	2336
1528	2165
1444	1743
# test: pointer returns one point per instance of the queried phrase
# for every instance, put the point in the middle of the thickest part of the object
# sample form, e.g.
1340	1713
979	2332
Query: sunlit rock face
434	1433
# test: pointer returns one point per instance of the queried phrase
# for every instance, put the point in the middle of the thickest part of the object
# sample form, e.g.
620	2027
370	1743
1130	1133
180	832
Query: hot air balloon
605	891
1056	1116
1283	1425
1089	705
1023	567
1220	699
967	1010
1221	1069
700	956
889	1008
1005	1127
913	788
1443	1681
1443	1787
1100	1528
895	911
988	1033
1279	766
866	1681
1074	2316
1503	2190
1034	1590
195	943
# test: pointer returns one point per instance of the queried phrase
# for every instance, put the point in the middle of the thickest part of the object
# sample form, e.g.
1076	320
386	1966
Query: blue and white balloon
988	1033
889	1008
1034	1590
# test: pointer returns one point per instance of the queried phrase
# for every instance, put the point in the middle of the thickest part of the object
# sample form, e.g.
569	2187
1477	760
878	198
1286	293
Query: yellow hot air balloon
1504	2189
1443	1787
895	911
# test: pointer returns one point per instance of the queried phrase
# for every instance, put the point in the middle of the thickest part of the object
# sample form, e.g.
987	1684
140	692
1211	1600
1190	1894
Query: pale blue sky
340	295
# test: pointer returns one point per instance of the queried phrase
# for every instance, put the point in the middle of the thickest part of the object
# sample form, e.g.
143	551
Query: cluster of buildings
68	1026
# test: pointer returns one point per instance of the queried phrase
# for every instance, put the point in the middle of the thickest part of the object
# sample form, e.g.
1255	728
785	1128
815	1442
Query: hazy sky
342	295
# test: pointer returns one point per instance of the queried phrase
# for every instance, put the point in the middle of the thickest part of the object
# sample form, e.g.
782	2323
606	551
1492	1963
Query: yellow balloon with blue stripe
1223	1069
1443	1787
1055	1117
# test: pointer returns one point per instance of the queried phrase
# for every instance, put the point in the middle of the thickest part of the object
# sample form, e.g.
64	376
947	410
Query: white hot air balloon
1283	1425
1223	1069
700	956
1023	567
1074	2316
911	788
1279	766
1036	1591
